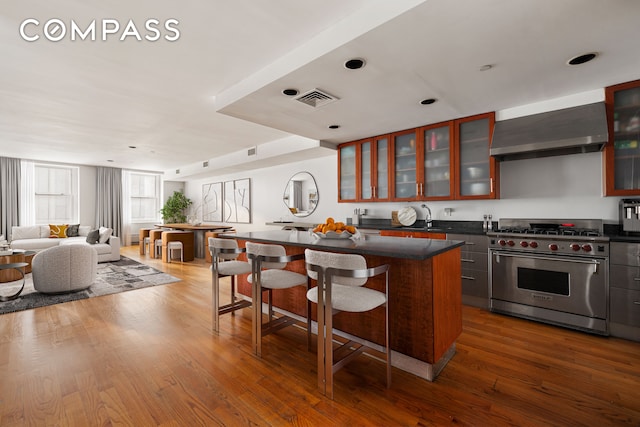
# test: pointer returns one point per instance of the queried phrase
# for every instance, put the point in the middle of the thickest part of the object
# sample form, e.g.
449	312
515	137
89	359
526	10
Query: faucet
428	222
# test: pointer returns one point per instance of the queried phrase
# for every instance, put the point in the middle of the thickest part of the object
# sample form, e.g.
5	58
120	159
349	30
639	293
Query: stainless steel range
553	271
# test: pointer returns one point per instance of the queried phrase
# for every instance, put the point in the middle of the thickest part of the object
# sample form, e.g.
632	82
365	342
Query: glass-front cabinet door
374	169
476	170
622	152
347	173
437	161
405	174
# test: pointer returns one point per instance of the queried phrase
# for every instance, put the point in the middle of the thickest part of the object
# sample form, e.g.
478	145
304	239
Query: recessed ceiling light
354	64
110	161
581	59
334	126
486	67
290	92
428	101
133	146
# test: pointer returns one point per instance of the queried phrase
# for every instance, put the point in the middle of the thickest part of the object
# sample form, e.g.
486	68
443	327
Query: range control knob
511	242
574	247
587	248
524	244
553	247
533	244
502	242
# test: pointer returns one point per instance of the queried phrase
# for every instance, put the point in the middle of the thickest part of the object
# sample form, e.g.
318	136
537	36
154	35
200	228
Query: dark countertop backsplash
442	226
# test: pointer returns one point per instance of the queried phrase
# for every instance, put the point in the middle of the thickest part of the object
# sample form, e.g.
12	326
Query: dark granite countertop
420	249
439	226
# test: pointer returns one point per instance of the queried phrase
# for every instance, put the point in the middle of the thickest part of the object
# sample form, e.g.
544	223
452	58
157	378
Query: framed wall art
212	202
237	201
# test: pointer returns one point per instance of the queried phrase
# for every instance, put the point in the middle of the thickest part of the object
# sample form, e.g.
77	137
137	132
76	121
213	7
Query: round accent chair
67	268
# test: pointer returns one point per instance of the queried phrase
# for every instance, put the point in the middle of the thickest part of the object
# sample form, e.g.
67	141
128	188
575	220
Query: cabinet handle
468	278
469	243
467	260
636	302
417	189
421	189
491	182
373	191
637	279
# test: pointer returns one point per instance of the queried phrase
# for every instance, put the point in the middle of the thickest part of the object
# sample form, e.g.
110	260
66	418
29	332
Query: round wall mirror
301	194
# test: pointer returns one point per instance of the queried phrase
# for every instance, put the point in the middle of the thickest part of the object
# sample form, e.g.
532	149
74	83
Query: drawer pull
467	260
469	243
637	279
468	278
636	302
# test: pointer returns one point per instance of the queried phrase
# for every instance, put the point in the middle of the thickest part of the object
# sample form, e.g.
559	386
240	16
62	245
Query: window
144	197
56	194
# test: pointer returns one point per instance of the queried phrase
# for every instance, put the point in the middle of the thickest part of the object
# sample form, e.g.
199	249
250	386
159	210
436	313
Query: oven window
552	282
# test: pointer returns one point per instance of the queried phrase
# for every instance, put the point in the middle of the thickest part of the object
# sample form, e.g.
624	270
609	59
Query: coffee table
13	267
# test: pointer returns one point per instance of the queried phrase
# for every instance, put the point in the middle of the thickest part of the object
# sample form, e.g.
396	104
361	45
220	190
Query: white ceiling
86	102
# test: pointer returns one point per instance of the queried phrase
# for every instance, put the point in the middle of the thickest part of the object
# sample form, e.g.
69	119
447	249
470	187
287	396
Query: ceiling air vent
251	151
205	164
316	98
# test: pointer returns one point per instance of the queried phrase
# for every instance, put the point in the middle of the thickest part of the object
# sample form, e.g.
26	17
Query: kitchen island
425	307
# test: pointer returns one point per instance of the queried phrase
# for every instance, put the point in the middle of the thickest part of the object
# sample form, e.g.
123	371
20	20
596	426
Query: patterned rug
113	277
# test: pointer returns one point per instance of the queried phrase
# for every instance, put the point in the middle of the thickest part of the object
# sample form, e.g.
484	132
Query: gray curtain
109	199
9	194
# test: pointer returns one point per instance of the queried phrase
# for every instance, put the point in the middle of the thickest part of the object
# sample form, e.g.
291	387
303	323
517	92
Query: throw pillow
58	231
72	230
105	233
93	236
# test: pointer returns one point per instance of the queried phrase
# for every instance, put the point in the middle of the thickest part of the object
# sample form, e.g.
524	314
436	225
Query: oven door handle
595	262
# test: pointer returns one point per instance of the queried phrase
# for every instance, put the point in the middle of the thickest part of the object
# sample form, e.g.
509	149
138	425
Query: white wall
553	187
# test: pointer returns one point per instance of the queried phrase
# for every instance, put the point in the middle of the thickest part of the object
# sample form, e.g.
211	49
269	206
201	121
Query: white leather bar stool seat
224	262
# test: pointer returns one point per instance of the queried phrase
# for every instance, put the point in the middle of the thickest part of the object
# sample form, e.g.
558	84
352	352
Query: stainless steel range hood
573	130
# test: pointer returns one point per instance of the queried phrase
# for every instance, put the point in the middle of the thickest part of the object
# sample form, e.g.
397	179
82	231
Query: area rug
113	277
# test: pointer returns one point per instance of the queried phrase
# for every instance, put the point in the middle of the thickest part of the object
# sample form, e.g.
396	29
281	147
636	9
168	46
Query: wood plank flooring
148	358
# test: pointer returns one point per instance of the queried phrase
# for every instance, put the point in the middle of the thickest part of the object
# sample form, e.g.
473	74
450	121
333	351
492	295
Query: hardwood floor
148	357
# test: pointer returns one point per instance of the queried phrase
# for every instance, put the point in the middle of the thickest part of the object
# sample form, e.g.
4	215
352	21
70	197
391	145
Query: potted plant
174	208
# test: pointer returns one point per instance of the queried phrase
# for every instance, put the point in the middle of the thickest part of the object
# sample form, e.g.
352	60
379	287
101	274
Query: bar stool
342	278
175	245
274	258
155	240
224	262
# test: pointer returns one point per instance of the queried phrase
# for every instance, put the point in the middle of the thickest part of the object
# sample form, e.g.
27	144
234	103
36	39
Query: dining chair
224	262
341	279
268	263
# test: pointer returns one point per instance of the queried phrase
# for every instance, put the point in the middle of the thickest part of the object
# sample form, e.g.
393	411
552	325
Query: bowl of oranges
332	229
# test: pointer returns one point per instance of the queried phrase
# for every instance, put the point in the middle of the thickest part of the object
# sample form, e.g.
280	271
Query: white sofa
36	238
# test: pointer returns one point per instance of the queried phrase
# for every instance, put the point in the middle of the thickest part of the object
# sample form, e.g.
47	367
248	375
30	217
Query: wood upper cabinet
448	160
622	152
476	171
363	170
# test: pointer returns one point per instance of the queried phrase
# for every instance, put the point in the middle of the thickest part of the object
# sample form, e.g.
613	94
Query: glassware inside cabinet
627	139
475	171
437	162
405	166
